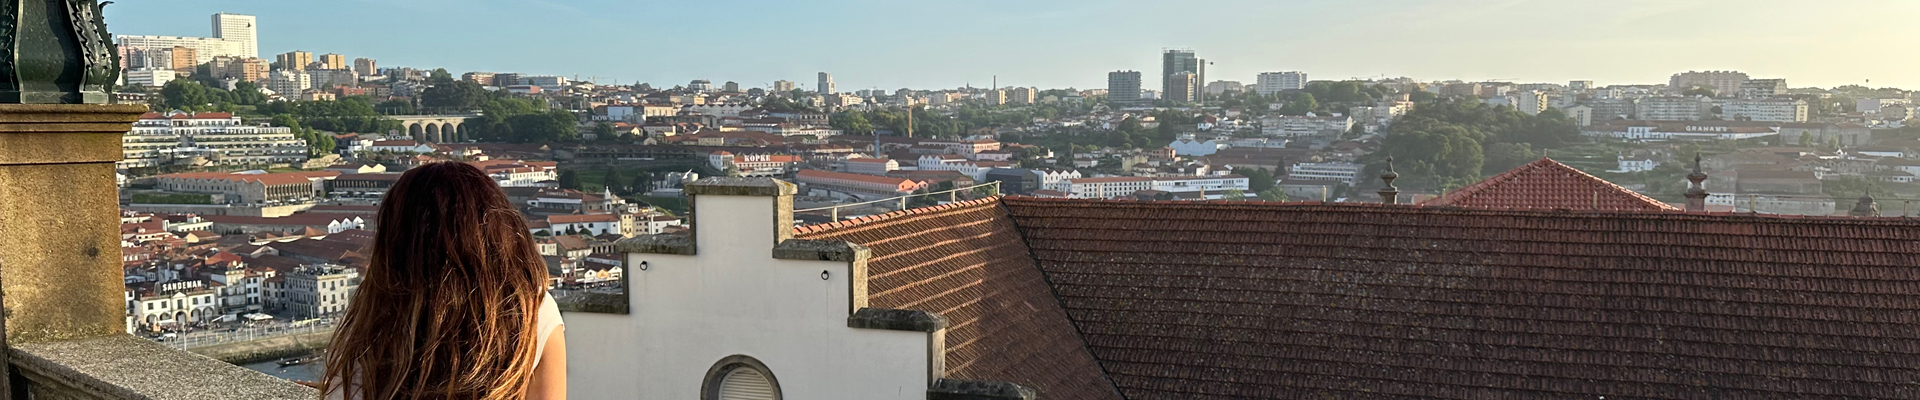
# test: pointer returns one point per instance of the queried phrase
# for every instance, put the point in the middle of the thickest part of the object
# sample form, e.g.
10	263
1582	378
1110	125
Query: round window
739	377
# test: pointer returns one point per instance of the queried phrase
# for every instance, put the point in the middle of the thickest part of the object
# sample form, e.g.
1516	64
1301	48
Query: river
309	372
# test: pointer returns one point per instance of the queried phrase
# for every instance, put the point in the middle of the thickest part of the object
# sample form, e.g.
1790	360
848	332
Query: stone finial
1697	189
1866	207
1389	194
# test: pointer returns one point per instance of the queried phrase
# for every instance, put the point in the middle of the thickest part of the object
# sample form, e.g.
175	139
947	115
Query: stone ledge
126	367
736	186
680	244
820	250
598	303
896	320
64	133
957	389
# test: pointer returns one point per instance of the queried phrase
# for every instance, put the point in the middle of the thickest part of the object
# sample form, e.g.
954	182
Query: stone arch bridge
441	128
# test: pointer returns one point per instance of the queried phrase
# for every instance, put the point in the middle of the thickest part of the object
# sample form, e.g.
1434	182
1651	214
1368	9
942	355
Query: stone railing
60	276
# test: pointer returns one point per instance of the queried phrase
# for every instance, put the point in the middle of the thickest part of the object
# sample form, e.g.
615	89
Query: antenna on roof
1389	194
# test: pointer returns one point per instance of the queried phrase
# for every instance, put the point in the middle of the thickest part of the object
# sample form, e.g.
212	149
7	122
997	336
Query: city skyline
1636	42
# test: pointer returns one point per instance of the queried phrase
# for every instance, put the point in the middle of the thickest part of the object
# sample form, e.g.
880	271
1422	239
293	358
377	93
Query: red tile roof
1547	185
966	261
1304	300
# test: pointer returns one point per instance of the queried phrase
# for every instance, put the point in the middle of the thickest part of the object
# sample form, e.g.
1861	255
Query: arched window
739	377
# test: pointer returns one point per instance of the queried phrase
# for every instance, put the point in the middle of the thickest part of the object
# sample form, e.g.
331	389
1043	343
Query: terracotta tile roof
1547	184
966	262
1305	300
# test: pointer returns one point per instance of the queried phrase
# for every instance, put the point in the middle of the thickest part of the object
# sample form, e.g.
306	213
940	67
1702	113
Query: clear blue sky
1059	43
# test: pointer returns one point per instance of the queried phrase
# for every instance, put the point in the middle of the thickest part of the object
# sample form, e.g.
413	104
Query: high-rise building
700	85
478	78
332	61
1672	108
294	60
996	97
238	28
183	59
826	84
730	86
1174	62
366	67
783	87
289	83
1765	110
1722	82
1181	87
1022	95
1123	87
1581	85
1762	88
1275	82
150	77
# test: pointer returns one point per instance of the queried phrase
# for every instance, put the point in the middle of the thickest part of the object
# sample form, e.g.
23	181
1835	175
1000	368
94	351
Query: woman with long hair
453	303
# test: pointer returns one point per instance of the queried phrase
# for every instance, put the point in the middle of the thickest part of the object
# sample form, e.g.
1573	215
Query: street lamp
56	52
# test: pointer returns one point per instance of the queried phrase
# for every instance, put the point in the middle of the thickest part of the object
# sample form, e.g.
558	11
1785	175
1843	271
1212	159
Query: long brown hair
446	308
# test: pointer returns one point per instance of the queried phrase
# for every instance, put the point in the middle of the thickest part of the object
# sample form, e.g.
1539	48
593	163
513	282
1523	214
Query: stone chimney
1389	194
1697	190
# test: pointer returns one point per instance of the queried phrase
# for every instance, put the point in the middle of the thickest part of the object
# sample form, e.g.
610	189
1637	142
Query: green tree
569	180
642	183
852	123
1501	157
440	76
1233	195
453	97
1298	103
1273	194
1258	179
187	95
1698	90
613	181
395	107
603	130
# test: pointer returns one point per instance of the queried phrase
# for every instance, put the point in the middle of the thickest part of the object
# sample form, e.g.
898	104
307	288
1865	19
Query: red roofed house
1548	185
590	224
519	173
755	165
251	189
1026	298
857	184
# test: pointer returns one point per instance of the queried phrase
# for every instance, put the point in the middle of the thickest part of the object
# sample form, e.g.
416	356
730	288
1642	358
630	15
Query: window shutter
746	384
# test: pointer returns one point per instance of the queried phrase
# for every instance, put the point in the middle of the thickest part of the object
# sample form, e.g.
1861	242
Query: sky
890	44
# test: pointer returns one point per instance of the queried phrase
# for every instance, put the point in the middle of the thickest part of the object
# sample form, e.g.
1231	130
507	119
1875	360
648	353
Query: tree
453	97
440	76
603	130
642	183
732	170
613	180
852	123
569	180
1273	194
1501	157
187	95
1258	179
1698	90
1233	195
1806	140
395	107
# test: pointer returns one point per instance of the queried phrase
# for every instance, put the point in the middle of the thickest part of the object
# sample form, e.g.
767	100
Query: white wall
688	312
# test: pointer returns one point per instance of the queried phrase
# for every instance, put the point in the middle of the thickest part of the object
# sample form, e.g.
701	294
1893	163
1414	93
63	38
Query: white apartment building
173	303
289	83
215	138
204	49
1531	102
320	290
239	290
1672	108
326	79
1274	82
1723	82
1875	105
517	173
1209	187
1348	173
545	82
150	77
1308	125
1764	109
238	28
719	110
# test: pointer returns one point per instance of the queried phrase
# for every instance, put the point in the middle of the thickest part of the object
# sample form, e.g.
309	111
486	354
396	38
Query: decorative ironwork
56	51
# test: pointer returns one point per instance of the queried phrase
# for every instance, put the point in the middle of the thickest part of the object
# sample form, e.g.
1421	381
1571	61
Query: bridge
439	128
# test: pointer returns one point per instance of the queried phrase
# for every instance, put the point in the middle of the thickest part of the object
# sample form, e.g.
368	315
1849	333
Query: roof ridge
1548	164
863	220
